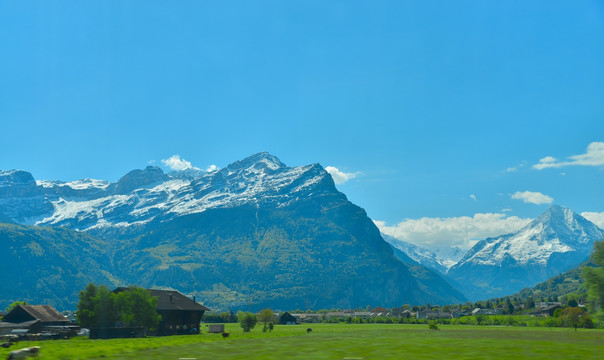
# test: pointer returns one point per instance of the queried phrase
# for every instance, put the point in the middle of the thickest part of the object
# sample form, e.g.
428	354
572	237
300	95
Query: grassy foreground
342	341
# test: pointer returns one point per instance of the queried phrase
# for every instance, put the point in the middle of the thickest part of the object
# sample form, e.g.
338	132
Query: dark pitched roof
547	309
43	313
171	300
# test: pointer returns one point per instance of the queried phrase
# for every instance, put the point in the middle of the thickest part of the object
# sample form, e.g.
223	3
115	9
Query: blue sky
439	110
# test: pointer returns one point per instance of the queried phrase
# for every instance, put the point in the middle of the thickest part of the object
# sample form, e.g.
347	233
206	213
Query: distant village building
336	315
546	311
544	304
37	319
379	310
308	318
287	319
363	315
432	315
397	311
480	311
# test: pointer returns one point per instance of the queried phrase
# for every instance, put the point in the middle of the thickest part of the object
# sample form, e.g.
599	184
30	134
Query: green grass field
342	341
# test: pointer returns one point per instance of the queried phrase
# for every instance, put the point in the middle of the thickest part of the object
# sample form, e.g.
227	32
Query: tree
509	307
594	280
96	307
105	309
529	303
99	307
247	321
136	307
266	316
14	305
85	315
571	317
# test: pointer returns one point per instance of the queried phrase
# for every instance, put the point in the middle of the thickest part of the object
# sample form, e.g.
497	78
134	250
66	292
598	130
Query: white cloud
595	217
473	197
212	168
463	231
176	163
531	197
594	156
340	177
516	168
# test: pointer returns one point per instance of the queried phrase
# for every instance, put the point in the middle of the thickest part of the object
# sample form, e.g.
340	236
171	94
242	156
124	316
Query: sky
447	121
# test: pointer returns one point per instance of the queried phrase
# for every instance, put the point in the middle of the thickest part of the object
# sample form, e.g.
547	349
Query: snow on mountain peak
556	241
258	162
557	230
142	196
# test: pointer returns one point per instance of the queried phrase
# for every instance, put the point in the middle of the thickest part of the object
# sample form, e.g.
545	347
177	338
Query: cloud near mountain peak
462	231
340	177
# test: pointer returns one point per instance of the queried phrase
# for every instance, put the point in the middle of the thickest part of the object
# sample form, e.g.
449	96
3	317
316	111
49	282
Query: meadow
342	341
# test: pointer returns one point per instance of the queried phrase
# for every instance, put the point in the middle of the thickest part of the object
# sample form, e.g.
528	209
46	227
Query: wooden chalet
179	314
36	319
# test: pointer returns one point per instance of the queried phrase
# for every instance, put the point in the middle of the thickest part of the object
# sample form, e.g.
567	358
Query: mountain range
254	234
556	241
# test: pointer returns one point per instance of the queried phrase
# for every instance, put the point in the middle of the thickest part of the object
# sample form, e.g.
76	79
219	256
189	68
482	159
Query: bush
247	321
432	325
552	322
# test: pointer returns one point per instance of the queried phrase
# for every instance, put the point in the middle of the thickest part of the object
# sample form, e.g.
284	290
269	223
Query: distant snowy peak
142	196
556	241
259	162
83	184
557	230
567	224
419	254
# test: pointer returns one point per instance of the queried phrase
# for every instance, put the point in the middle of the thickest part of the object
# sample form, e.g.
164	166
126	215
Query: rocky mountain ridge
255	233
144	196
556	241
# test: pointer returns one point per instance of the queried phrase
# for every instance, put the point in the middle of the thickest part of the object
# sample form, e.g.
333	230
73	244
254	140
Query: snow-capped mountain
554	242
256	234
144	196
418	254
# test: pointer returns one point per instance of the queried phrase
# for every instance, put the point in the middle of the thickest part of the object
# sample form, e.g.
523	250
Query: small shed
216	328
287	319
